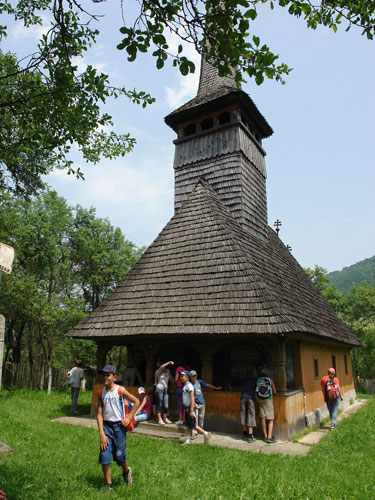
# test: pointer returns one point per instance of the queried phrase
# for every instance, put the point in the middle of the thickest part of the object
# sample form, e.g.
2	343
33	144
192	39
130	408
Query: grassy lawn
59	462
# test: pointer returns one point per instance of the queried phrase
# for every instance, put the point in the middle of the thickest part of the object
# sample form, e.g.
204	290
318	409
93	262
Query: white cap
141	390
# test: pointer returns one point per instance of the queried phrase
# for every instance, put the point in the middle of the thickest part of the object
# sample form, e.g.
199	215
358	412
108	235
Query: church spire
210	81
220	134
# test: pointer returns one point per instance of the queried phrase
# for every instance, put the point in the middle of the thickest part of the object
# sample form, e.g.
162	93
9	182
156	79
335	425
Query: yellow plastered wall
323	353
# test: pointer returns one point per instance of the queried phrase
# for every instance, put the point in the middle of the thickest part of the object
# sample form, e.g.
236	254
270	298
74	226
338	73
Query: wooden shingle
204	274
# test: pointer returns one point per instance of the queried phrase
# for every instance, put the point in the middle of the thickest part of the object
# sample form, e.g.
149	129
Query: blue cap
108	369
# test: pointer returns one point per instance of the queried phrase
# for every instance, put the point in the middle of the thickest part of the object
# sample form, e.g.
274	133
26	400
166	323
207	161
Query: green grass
56	461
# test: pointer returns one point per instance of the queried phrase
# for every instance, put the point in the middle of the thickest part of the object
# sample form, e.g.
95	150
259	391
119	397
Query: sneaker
333	427
185	443
109	487
207	437
167	421
265	439
245	436
128	477
161	422
251	438
179	422
271	440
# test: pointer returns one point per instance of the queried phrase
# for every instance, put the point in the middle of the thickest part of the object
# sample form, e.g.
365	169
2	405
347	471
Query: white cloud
37	31
80	63
187	85
133	189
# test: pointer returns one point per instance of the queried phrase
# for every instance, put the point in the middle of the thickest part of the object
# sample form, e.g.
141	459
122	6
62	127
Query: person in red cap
332	395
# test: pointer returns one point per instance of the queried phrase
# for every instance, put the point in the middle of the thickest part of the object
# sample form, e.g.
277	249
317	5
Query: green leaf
159	63
251	14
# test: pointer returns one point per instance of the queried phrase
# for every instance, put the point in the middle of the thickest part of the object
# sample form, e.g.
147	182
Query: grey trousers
75	394
199	415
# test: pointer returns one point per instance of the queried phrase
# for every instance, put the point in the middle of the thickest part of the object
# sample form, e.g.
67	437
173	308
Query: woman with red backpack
332	395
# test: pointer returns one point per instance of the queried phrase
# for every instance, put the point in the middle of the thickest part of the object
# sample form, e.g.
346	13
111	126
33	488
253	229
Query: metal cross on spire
277	225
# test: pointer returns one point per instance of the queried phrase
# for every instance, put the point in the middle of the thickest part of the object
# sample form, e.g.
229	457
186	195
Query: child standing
189	404
112	423
200	403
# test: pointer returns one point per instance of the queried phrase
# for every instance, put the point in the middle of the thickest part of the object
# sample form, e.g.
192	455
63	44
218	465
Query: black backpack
263	389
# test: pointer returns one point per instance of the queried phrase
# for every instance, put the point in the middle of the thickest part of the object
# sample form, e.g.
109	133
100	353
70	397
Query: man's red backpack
126	408
332	390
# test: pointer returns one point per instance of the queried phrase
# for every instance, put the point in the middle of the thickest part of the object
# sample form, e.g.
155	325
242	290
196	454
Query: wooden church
218	287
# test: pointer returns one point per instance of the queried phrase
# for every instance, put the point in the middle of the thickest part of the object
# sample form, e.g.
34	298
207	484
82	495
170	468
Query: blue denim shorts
191	422
116	434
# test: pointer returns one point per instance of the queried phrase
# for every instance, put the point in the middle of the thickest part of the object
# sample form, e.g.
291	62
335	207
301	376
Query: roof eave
237	96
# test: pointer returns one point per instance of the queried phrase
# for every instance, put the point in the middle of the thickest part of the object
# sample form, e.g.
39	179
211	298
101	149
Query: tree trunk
17	345
49	379
8	339
42	378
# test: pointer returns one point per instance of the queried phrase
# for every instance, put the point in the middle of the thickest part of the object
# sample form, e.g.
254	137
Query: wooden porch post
150	360
132	360
279	362
101	353
207	365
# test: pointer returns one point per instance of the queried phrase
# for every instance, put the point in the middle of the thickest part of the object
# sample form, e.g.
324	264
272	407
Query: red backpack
332	390
125	402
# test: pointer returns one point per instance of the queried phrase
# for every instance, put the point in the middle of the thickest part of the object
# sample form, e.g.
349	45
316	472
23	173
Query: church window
334	361
316	369
207	124
224	118
190	129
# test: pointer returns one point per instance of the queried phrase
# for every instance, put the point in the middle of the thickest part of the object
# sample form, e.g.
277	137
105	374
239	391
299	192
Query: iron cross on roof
277	225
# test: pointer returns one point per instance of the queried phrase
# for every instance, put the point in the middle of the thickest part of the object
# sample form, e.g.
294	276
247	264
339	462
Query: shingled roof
205	275
213	91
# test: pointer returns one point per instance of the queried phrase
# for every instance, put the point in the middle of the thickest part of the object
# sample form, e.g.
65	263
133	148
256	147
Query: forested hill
354	275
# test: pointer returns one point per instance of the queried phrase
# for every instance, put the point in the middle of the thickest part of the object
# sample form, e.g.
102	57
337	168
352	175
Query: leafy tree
363	271
49	290
337	299
46	104
357	309
361	305
100	255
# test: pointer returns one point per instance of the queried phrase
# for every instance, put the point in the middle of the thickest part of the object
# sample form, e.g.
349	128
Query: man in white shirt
75	376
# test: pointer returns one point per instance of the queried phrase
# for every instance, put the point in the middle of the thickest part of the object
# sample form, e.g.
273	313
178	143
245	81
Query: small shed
217	286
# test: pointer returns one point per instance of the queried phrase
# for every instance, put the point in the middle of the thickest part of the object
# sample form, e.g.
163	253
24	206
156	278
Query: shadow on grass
20	483
97	480
64	411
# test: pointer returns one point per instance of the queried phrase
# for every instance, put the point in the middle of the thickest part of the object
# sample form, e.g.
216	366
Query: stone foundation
316	416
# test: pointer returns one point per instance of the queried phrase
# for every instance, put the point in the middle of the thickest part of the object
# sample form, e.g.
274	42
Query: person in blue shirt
200	403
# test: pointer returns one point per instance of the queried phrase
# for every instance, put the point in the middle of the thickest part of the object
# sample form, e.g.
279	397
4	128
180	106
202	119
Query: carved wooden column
101	353
150	360
150	350
132	360
279	362
207	366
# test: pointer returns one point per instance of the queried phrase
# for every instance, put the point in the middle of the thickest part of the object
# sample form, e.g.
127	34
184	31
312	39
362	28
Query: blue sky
320	159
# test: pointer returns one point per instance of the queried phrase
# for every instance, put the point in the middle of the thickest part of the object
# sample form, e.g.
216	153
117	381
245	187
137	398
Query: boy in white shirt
189	415
112	423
